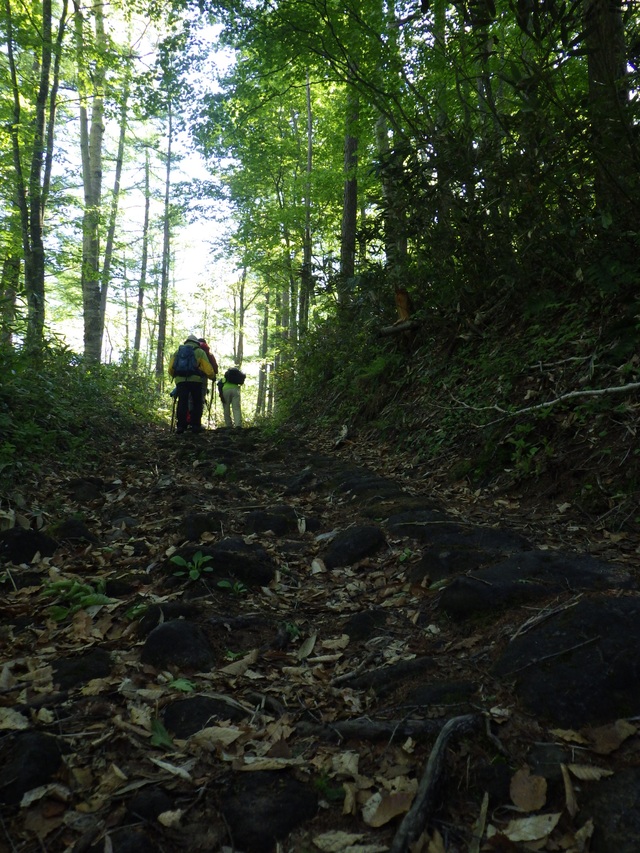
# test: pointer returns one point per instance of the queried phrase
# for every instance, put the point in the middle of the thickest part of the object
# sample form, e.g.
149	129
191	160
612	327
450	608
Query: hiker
229	389
187	366
205	346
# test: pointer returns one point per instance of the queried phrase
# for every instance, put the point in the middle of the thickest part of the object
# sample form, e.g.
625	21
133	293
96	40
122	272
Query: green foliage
72	596
328	789
236	588
159	735
292	630
194	567
184	685
53	406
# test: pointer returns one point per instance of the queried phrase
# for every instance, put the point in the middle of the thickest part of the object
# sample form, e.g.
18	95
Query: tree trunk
113	213
350	204
264	349
142	284
616	178
31	159
306	279
91	89
8	291
394	215
239	348
166	256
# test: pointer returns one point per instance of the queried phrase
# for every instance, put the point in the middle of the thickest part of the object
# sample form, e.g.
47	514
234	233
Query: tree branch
594	392
416	818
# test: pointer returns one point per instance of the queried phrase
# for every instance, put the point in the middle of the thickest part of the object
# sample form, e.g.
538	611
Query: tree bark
616	179
91	134
31	145
350	203
142	283
166	257
115	199
306	279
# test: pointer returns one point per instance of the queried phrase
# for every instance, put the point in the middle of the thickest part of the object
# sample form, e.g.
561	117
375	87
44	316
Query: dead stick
416	818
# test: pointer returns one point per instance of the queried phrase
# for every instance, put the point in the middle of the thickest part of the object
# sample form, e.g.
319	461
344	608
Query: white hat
192	339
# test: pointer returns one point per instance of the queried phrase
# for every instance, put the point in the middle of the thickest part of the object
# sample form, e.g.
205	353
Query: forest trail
218	643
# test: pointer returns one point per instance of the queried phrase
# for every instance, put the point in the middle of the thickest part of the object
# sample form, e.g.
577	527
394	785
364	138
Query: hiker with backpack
188	365
229	390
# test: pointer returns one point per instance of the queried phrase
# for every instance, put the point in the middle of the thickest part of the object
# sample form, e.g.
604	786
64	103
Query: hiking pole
173	413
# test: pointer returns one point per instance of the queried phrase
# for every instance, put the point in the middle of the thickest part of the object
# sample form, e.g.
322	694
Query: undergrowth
479	398
54	408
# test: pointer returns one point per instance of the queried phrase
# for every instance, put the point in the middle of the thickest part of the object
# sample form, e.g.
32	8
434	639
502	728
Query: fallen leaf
180	772
307	647
240	667
170	818
528	793
214	736
345	765
569	792
532	828
12	719
335	842
380	808
606	739
569	736
588	773
436	844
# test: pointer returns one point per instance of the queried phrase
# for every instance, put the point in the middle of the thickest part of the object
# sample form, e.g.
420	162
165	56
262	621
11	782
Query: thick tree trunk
91	134
32	145
8	290
616	179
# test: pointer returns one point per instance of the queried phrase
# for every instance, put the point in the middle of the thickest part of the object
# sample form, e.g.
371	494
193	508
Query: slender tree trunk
142	284
115	198
264	349
166	256
306	279
239	348
350	203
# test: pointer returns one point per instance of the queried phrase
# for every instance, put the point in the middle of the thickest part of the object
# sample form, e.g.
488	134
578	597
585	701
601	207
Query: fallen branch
416	818
404	326
367	729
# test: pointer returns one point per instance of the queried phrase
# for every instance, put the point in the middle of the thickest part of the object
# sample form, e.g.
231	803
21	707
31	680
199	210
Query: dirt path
216	643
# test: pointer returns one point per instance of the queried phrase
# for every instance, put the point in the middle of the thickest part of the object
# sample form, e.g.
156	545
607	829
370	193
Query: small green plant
292	630
159	735
74	596
229	655
406	554
328	789
195	567
182	684
136	611
235	587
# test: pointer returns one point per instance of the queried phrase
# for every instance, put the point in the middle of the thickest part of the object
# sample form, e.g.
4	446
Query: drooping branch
570	395
405	326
